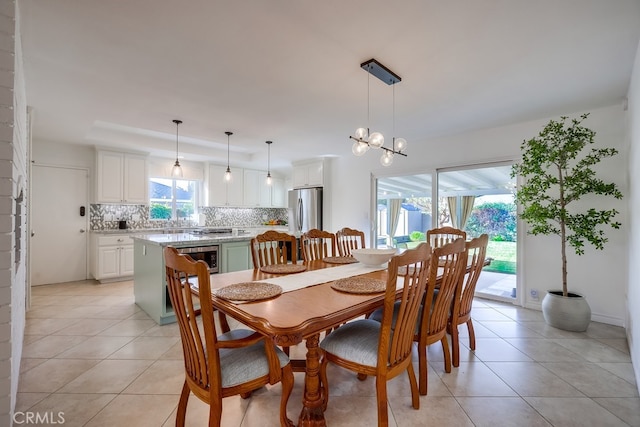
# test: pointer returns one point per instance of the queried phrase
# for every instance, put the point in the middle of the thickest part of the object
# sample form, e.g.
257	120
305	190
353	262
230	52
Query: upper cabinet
225	193
247	188
308	175
217	186
121	178
278	193
256	191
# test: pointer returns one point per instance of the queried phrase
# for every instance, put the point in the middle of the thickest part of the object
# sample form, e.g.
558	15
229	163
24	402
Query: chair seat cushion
356	341
240	365
377	316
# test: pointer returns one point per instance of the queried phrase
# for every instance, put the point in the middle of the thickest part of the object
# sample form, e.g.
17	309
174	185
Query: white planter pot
570	313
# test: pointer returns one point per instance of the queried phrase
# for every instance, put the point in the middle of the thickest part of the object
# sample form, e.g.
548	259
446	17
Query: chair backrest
348	239
463	298
270	248
201	359
449	263
416	263
317	244
441	236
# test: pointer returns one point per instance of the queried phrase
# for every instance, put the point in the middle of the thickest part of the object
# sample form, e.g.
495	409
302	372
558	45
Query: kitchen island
149	281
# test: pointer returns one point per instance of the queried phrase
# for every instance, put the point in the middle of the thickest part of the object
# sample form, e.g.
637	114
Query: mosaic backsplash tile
106	217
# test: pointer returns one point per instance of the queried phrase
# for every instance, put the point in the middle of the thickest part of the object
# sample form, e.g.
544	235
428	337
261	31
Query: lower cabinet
235	256
112	258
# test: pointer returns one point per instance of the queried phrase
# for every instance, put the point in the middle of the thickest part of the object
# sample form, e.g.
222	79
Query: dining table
309	303
301	314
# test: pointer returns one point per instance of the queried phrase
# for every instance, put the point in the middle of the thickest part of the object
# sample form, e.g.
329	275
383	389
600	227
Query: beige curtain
467	207
465	211
453	210
395	205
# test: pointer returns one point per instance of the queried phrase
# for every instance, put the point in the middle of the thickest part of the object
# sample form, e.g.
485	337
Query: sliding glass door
477	199
404	210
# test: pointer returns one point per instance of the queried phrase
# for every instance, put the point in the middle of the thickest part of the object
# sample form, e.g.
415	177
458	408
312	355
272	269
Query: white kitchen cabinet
256	191
278	193
121	178
308	175
235	188
217	185
225	193
112	258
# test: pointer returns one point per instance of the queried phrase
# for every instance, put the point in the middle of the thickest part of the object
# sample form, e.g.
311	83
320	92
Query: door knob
82	230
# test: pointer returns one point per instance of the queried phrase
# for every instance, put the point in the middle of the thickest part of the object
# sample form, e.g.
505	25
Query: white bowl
373	257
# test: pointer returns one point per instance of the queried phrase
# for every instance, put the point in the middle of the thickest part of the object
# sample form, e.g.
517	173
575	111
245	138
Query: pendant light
177	169
227	174
365	140
269	162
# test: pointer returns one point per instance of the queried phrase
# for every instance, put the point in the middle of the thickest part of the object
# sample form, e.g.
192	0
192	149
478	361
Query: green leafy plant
557	168
158	211
417	236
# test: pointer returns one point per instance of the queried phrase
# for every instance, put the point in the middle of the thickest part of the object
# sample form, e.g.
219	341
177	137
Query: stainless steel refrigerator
305	209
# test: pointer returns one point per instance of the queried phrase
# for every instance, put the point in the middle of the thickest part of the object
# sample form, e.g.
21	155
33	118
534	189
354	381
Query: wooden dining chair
273	247
446	265
236	362
348	239
317	244
476	251
375	349
441	236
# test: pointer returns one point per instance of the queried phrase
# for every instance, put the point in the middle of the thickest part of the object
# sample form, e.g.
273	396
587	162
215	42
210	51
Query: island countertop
189	239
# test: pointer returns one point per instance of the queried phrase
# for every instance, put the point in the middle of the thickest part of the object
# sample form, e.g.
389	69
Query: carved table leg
312	414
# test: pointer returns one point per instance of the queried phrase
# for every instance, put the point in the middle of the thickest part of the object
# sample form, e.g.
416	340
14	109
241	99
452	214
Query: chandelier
363	138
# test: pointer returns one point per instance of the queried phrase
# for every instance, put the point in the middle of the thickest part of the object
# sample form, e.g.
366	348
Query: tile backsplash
106	217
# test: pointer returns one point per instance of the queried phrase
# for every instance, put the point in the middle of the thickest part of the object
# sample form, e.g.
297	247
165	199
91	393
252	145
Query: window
172	199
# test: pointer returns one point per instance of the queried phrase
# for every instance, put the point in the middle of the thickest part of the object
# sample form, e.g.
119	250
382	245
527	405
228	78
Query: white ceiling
115	73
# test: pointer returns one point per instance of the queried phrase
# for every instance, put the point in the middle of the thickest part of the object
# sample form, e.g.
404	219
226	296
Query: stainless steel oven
208	254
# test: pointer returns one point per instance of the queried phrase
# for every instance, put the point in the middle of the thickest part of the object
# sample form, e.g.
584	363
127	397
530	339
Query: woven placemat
248	291
339	260
359	285
283	268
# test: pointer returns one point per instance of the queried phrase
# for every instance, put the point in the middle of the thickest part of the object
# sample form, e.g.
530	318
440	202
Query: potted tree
557	168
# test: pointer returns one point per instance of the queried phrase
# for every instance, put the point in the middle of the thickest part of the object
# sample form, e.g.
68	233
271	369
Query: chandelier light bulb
361	133
386	159
376	140
400	144
227	174
359	148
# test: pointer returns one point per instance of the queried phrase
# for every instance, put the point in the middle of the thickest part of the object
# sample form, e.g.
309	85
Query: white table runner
292	282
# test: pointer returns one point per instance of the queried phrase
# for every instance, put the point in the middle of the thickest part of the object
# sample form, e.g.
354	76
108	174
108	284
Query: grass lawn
504	257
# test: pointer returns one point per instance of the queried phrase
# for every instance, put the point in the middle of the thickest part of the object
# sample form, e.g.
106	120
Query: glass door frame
435	182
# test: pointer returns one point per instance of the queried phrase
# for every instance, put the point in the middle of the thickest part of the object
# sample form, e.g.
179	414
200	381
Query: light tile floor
91	353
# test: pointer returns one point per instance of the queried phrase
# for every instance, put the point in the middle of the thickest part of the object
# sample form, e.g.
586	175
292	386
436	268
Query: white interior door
58	231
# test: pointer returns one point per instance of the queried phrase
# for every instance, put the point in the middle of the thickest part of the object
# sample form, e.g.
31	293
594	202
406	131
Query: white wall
633	284
14	158
599	275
